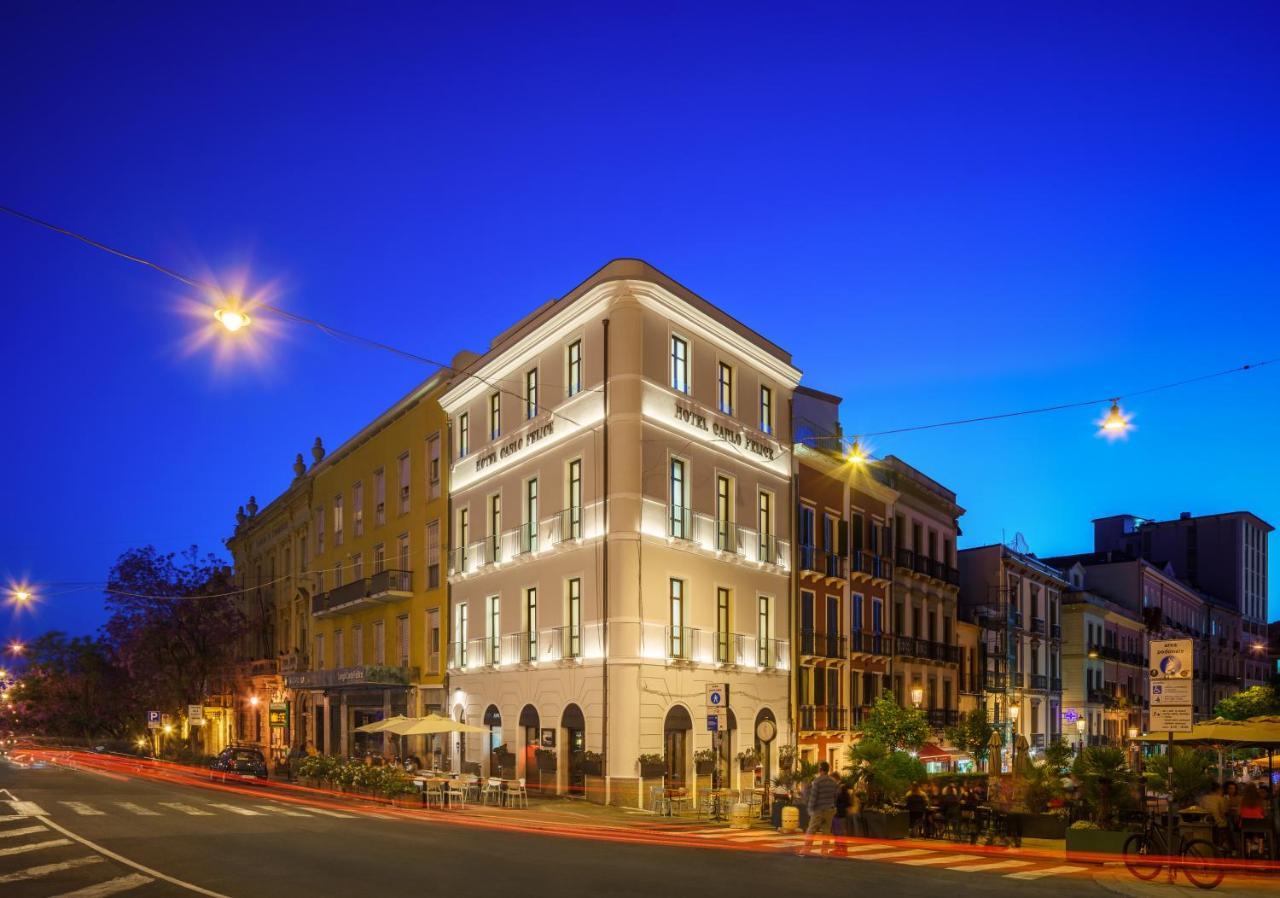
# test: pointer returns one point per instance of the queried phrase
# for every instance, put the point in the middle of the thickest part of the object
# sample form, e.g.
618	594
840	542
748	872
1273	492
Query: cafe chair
517	792
492	790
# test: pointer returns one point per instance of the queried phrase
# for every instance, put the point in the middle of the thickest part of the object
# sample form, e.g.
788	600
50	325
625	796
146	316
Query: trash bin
790	819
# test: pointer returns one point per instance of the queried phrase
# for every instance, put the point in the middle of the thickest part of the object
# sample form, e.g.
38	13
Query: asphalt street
88	834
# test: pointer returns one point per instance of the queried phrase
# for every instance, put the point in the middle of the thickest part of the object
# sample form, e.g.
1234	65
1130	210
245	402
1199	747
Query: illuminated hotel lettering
514	446
727	433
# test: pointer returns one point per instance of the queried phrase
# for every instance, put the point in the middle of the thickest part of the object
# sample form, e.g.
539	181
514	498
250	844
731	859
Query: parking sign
153	720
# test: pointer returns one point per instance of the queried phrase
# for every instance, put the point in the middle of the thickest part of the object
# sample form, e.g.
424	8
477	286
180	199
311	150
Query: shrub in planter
786	757
546	760
652	766
1044	826
1085	838
748	760
886	824
588	763
704	761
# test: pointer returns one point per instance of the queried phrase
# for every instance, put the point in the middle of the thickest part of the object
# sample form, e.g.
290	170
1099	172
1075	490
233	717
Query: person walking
822	808
840	822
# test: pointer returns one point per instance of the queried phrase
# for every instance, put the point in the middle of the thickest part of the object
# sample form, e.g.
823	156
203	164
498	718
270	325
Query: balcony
391	584
384	586
680	643
823	564
1055	631
822	645
1037	626
679	522
942	717
818	718
1055	684
1039	683
863	643
994	681
1017	620
565	643
928	650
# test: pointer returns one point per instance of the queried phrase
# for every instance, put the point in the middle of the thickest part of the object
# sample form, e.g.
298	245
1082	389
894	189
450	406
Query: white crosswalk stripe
83	809
277	809
27	809
889	855
236	809
138	809
994	865
47	869
33	846
110	887
185	808
1048	871
21	831
941	859
329	813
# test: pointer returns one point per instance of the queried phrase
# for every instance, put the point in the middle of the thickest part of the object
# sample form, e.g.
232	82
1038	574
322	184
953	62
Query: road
87	834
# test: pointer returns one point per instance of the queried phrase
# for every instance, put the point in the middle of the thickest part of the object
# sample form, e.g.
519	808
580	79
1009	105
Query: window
320	651
402	640
531	393
766	409
379	558
493	642
339	649
337	520
767	649
319	530
574	481
357	645
433	464
460	633
357	507
529	530
403	464
464	435
573	379
357	567
805	537
379	643
379	497
433	555
337	574
464	534
495	416
679	364
679	523
402	552
531	622
722	625
433	641
767	551
495	528
855	612
724	388
574	617
677	647
726	539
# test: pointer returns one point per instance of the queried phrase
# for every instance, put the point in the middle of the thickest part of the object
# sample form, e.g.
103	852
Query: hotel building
620	491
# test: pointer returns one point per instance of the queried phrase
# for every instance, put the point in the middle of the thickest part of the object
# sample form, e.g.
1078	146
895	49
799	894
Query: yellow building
379	607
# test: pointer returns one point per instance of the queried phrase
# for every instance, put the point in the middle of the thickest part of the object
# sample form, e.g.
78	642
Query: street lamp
917	695
1082	725
857	454
253	700
232	319
1115	424
16	647
22	595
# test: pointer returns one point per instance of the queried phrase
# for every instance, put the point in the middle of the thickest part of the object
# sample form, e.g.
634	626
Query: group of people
1236	811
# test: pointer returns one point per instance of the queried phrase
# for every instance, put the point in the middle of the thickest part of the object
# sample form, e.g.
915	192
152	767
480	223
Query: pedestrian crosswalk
896	852
34	854
188	809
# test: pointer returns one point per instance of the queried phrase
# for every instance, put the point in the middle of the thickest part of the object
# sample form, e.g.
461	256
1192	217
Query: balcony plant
704	761
652	766
748	759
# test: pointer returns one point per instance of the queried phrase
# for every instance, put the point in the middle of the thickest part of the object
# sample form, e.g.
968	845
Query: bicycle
1148	852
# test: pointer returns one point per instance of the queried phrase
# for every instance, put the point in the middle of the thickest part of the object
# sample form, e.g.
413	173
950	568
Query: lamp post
1014	710
917	696
1082	726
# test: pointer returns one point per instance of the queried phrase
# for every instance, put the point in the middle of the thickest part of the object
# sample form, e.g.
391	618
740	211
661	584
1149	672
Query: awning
1263	732
931	752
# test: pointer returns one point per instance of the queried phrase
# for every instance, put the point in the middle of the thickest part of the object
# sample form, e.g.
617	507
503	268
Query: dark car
238	763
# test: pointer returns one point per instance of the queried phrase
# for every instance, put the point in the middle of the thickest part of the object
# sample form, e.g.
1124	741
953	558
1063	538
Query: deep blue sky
942	212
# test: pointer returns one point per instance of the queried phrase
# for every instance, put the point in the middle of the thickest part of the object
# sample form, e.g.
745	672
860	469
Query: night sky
940	213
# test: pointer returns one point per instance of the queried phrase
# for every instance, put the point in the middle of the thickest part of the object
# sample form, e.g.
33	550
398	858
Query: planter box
704	768
653	771
746	766
547	765
589	768
1095	841
1044	826
882	825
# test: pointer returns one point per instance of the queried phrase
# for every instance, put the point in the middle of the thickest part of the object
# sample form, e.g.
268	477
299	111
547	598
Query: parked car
238	763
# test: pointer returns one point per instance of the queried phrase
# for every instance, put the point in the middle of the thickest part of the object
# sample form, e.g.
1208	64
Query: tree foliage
896	727
1256	701
972	734
887	773
74	686
1192	773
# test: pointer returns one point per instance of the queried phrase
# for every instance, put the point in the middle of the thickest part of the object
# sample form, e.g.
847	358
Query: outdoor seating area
706	804
459	790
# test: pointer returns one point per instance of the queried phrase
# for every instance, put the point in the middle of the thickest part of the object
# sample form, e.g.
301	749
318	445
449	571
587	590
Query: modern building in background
379	606
1015	600
621	495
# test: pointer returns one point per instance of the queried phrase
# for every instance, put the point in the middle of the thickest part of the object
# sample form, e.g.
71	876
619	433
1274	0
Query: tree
972	735
1256	701
896	727
1191	774
74	687
175	623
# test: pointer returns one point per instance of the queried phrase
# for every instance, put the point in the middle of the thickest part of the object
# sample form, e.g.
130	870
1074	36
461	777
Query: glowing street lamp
21	595
857	453
16	647
253	700
1116	424
917	695
232	319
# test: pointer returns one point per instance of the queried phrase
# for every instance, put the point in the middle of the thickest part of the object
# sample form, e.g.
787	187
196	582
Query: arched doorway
493	720
575	743
529	723
766	732
677	733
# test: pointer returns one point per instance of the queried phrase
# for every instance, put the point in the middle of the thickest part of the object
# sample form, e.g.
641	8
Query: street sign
715	721
1171	659
195	715
278	715
717	696
1171	692
1174	718
153	720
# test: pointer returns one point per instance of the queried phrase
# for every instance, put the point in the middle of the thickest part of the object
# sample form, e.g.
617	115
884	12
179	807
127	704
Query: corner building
620	500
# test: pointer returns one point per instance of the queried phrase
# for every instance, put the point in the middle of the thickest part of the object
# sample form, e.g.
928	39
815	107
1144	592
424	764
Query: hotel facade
620	490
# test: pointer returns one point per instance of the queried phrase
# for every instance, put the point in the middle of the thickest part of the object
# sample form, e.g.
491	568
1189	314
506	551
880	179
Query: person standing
822	808
840	823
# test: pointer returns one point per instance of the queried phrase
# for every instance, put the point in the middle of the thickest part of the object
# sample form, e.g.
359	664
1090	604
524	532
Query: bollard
740	816
790	819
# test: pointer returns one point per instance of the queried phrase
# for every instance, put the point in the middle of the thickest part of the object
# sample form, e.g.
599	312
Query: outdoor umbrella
993	752
432	725
379	726
1263	732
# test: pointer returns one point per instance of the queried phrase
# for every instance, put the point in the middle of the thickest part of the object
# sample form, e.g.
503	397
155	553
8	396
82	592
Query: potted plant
652	766
748	760
886	776
588	763
704	761
546	760
1106	789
